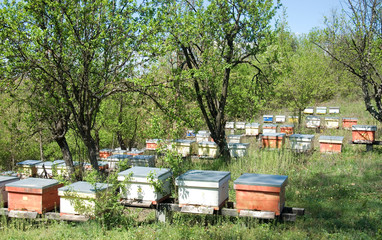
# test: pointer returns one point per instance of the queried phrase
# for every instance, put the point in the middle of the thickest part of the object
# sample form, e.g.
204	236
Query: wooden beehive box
102	166
234	138
203	136
114	160
280	118
146	184
261	192
273	140
313	122
301	142
269	128
238	149
104	153
331	144
347	123
184	147
363	133
288	129
268	118
203	188
252	129
4	194
135	152
334	110
229	125
240	125
332	122
49	168
309	110
79	197
321	110
33	194
207	150
293	119
62	169
143	161
152	144
27	168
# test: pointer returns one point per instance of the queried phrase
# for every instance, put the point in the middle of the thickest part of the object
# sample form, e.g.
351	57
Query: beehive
102	166
145	183
252	129
229	125
207	150
240	125
301	142
114	160
104	153
334	110
363	133
288	129
79	197
203	188
280	118
269	128
347	123
330	144
321	110
152	144
4	194
190	133
238	149
143	161
203	136
293	119
27	168
309	110
332	122
273	140
313	122
33	194
184	147
261	192
135	152
49	167
119	152
268	118
234	138
62	169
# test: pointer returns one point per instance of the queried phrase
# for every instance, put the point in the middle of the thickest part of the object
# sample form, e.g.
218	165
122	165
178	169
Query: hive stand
369	146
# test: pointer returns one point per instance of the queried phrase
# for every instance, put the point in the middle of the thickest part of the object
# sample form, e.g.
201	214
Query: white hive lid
331	139
29	162
35	183
364	128
203	176
84	187
261	180
302	137
144	172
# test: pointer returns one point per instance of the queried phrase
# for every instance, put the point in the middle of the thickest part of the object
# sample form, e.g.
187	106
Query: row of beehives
195	187
322	110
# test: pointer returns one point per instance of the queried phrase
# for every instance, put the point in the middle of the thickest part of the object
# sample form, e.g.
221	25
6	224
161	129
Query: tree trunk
92	149
120	121
67	156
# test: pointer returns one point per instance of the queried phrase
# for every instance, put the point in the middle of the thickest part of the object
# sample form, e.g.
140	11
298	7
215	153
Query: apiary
27	168
135	152
269	128
145	183
102	166
363	133
184	147
49	168
331	144
252	129
143	161
79	197
238	149
114	160
152	144
334	110
288	129
293	119
240	125
229	125
313	122
301	142
203	188
332	122
261	192
280	118
62	170
321	110
234	138
104	153
207	150
268	118
33	194
4	194
309	110
347	123
273	140
203	136
119	152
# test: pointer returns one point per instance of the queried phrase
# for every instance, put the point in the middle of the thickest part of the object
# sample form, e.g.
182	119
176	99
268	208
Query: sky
303	15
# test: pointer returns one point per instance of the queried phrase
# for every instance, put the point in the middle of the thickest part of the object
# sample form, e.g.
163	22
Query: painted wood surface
363	133
347	123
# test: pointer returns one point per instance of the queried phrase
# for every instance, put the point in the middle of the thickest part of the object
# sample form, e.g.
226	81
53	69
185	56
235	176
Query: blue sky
303	15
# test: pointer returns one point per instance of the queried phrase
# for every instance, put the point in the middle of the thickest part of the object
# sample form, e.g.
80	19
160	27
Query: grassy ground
342	195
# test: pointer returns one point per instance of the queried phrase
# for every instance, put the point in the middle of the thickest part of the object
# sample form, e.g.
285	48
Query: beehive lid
287	126
9	173
334	108
229	124
119	156
63	165
7	178
49	163
267	116
332	118
184	141
119	152
135	152
84	187
331	139
144	157
238	145
152	140
270	126
203	176
261	180
203	132
302	137
364	128
144	172
35	183
240	123
280	116
207	144
234	136
106	150
350	119
29	162
309	108
273	134
100	164
320	108
256	125
312	118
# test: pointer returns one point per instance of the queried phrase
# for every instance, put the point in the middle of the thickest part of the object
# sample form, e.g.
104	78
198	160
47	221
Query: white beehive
202	136
207	150
321	110
234	138
145	183
269	128
238	149
203	188
184	147
252	129
142	161
309	110
301	142
62	170
79	197
4	194
114	160
280	118
334	110
27	168
332	122
229	125
240	125
313	122
49	167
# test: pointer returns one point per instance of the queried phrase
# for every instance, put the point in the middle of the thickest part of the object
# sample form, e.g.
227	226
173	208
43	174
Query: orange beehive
363	133
347	123
330	144
33	194
273	140
152	144
261	192
104	153
287	129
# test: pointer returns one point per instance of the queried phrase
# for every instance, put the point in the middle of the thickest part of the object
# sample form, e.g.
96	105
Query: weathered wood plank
137	203
52	215
229	212
288	217
257	214
22	214
297	211
197	210
74	218
4	211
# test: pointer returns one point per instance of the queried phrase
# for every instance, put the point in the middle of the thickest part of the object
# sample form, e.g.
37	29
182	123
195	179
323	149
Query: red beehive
287	129
273	140
152	144
104	153
363	133
347	123
33	194
261	192
330	144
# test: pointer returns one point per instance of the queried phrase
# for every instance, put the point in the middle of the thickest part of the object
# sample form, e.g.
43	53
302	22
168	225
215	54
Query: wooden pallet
369	146
47	215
